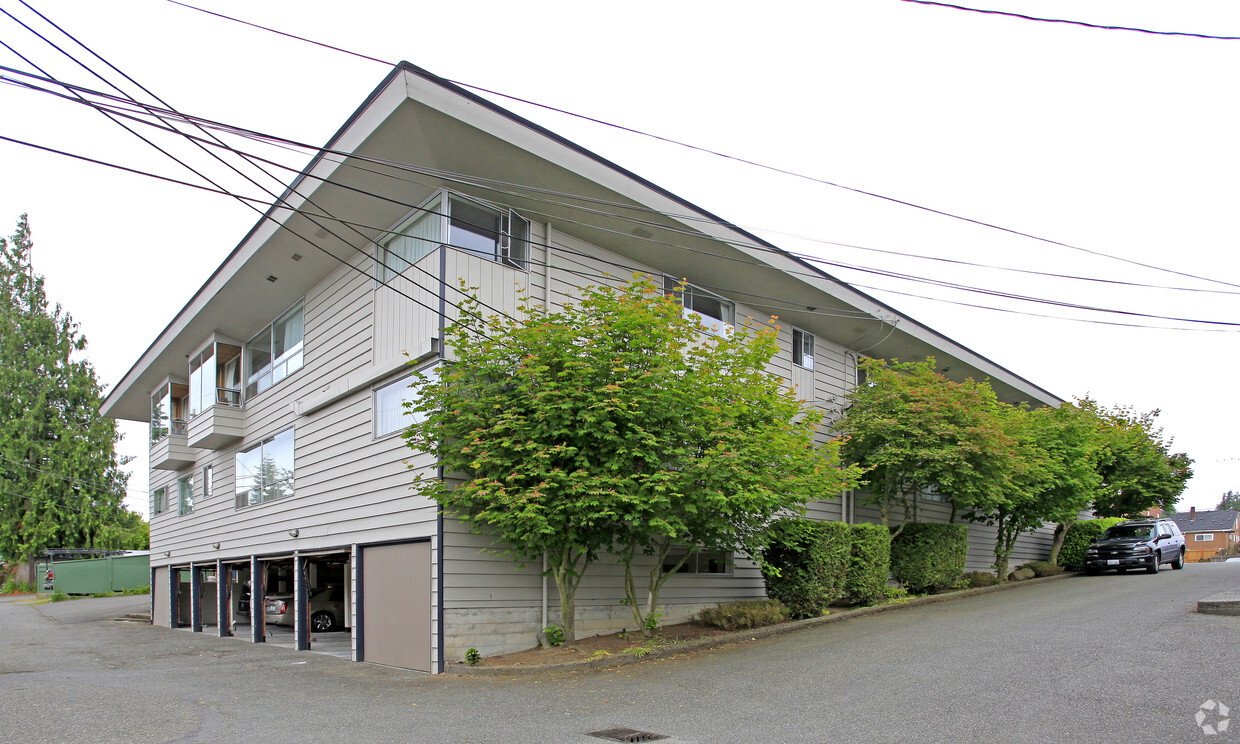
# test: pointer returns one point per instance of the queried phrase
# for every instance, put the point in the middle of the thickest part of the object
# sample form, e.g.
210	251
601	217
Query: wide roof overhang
453	138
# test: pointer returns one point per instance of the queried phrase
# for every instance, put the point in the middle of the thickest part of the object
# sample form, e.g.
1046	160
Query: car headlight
1141	549
1091	551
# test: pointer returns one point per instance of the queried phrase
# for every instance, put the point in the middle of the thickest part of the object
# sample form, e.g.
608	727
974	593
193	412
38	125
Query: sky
1109	148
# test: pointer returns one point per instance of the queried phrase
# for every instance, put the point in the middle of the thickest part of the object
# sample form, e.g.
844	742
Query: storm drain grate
626	734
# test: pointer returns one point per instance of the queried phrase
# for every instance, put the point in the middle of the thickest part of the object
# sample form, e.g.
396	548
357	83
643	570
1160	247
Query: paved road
1085	659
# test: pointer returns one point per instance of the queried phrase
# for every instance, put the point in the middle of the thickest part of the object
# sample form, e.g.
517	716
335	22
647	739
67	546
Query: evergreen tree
61	484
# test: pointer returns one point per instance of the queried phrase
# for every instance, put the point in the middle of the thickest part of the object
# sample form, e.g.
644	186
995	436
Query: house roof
1207	521
416	117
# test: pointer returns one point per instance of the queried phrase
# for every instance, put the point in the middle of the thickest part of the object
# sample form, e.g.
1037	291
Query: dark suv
1142	543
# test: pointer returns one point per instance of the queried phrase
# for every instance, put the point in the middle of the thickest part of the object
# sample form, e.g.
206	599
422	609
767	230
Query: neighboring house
1209	534
274	395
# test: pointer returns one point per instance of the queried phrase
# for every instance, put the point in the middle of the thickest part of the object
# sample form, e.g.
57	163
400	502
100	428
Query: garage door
396	605
159	595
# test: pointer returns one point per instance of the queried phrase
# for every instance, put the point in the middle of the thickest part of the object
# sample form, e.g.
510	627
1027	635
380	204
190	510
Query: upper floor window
208	481
159	501
390	413
265	470
214	378
488	230
275	353
185	495
802	348
1204	537
715	312
168	410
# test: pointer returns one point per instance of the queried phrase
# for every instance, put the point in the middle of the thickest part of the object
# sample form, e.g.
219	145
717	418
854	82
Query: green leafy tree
1137	468
615	425
911	429
61	483
1230	500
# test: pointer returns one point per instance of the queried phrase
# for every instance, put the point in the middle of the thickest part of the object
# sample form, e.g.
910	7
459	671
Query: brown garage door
159	595
396	605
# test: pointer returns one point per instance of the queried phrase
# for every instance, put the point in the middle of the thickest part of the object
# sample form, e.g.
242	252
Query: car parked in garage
1142	543
326	609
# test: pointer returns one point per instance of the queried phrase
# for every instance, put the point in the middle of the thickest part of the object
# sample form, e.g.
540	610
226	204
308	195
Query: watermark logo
1212	718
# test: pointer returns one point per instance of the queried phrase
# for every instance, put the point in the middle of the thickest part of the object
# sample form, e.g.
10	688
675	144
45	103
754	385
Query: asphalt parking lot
1085	659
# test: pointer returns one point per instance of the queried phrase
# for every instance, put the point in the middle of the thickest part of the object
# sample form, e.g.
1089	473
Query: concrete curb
742	636
1223	603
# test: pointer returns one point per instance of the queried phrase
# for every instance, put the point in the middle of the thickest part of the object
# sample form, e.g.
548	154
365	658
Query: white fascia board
361	125
629	186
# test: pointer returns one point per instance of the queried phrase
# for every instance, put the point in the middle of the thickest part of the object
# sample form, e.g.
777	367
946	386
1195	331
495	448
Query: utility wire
490	185
69	479
1024	17
262	214
734	158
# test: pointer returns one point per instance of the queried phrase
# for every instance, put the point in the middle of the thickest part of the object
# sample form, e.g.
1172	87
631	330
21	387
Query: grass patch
16	586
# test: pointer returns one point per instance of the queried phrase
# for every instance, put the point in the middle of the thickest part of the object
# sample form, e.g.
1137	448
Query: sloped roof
1207	521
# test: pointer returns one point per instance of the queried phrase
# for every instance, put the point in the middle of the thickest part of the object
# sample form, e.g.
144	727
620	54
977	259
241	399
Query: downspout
443	325
546	306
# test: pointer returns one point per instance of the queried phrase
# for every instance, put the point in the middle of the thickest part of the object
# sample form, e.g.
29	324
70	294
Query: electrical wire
1024	17
734	158
484	183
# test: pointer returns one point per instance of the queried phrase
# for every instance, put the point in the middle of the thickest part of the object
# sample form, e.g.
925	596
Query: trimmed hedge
926	558
812	562
1078	537
869	566
748	613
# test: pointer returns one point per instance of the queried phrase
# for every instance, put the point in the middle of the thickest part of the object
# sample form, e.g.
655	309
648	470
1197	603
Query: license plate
1113	563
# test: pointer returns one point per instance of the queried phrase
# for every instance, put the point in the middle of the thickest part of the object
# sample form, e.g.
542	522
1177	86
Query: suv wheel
1153	567
1178	563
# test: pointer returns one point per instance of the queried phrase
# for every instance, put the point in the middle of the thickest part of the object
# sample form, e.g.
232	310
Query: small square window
390	413
802	348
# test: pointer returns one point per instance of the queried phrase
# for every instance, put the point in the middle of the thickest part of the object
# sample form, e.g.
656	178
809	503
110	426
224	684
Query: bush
980	578
1079	536
746	614
926	558
17	586
869	565
806	564
1043	568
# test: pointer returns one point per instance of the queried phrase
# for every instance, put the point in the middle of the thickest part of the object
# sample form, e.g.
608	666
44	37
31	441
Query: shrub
472	657
17	586
555	635
806	564
751	613
980	578
929	557
1078	537
1043	568
59	596
869	565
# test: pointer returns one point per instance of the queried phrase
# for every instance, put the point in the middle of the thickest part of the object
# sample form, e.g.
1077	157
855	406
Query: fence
97	575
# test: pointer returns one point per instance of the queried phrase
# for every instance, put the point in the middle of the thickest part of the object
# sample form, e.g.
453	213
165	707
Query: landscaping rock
1021	574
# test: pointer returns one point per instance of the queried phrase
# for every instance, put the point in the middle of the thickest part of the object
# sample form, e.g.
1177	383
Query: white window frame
378	398
159	500
208	481
185	495
510	248
802	349
685	293
1203	537
260	446
281	367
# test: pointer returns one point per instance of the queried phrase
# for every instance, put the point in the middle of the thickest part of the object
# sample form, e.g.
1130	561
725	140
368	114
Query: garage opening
325	603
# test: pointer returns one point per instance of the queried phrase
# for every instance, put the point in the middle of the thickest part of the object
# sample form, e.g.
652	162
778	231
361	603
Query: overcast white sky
1110	141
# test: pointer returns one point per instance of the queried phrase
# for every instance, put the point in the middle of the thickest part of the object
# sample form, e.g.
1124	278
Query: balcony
220	425
172	451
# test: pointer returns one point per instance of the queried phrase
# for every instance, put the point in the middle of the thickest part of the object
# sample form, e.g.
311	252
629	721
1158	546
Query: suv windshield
1130	531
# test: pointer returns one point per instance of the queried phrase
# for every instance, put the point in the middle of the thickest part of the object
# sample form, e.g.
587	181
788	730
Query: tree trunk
1061	532
566	581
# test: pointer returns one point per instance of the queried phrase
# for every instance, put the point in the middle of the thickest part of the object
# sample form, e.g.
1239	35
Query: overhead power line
734	158
1022	16
523	191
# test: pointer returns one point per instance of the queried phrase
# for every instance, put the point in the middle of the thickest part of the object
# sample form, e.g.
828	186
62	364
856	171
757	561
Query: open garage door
396	605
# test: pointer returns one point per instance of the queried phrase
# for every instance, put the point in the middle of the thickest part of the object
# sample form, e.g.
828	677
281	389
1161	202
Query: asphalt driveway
1086	659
